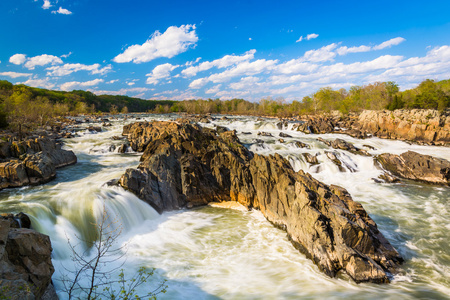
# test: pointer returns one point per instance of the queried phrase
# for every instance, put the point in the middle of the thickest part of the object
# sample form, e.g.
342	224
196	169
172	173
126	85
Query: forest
21	105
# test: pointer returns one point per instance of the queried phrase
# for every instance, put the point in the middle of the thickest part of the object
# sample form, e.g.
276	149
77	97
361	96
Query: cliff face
25	260
417	125
185	165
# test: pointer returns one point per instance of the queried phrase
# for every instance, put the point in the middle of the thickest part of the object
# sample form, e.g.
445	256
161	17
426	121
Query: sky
248	49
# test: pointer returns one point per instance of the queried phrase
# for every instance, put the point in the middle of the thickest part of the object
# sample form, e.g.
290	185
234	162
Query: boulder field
32	161
184	165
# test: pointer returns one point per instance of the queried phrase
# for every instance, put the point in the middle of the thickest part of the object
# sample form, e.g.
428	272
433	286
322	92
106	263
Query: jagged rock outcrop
415	166
416	125
185	165
32	161
344	145
25	261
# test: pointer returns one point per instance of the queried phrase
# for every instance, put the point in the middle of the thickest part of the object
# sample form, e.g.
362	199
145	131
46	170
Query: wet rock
246	132
285	135
281	140
185	166
262	133
370	147
106	124
386	178
122	148
312	159
116	138
415	166
333	157
26	267
301	145
94	129
344	145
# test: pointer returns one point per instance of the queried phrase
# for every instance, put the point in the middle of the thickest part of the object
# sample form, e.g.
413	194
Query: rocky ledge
32	161
25	260
415	166
185	166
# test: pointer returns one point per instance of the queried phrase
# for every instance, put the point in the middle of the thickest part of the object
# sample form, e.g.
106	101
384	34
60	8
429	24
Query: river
219	253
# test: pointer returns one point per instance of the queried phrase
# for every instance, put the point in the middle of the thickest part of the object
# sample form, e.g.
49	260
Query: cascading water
212	253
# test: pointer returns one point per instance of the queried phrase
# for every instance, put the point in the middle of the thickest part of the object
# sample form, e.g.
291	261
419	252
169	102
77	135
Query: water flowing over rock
415	166
32	161
25	261
185	165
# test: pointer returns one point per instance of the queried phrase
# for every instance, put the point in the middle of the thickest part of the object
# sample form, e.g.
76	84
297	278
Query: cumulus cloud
42	60
68	86
308	37
18	59
68	69
46	4
226	61
62	11
173	41
215	89
160	72
326	53
198	83
15	74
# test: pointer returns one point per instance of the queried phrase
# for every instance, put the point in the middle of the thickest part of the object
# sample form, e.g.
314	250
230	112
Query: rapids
218	253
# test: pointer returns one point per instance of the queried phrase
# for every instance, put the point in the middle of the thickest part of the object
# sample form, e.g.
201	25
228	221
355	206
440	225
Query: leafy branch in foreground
92	275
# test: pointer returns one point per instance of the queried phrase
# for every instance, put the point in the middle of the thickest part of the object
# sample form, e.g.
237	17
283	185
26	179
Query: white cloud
198	83
173	41
345	50
389	43
46	4
68	86
18	59
308	37
139	90
68	69
226	61
296	66
160	72
42	60
41	83
326	53
214	89
15	74
66	55
112	81
62	11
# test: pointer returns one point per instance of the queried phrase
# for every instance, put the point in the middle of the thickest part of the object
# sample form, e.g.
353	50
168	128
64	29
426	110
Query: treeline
23	106
377	96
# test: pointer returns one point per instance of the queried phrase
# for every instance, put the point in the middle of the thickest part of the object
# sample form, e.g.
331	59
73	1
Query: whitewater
220	253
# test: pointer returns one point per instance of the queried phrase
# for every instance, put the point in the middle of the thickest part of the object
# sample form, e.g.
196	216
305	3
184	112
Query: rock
122	148
415	166
26	267
344	145
301	145
333	156
386	178
285	135
94	129
106	124
317	125
246	132
221	129
416	125
115	137
312	159
370	147
38	159
262	133
281	140
185	165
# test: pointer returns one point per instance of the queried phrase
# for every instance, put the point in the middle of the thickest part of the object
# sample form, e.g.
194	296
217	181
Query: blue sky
221	49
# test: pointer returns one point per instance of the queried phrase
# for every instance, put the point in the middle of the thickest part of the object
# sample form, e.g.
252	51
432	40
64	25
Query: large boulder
185	165
25	262
415	166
